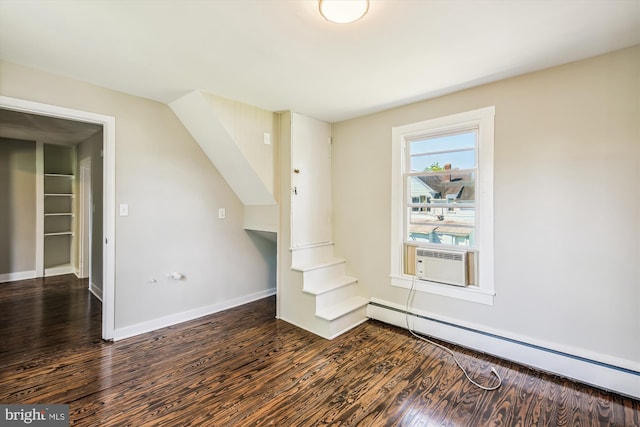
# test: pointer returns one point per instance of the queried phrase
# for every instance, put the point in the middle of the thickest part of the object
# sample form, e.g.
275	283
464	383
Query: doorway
108	198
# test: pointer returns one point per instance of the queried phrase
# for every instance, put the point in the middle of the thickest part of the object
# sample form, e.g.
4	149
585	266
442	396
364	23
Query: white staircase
335	304
313	289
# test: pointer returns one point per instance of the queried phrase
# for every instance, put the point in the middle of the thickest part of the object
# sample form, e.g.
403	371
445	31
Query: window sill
469	293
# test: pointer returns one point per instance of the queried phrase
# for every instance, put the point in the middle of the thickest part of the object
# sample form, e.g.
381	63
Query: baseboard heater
601	374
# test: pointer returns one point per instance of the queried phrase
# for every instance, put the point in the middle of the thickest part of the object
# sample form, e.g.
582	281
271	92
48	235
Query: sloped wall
174	193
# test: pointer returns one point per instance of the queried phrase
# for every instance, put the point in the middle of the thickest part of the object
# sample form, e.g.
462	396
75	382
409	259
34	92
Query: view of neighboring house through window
441	183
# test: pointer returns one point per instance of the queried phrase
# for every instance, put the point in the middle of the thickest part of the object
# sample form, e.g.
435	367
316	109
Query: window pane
451	224
439	162
434	153
445	142
457	188
450	230
443	217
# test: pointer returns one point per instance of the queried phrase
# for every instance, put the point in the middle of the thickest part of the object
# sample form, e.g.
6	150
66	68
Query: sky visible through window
424	153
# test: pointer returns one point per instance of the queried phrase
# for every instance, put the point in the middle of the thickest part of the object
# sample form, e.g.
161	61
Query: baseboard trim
613	377
174	319
18	275
58	271
96	291
77	273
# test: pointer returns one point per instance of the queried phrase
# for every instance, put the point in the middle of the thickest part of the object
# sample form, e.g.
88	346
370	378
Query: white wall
17	209
173	192
567	206
247	126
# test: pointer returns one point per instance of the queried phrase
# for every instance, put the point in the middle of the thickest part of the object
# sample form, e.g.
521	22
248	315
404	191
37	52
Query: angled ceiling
282	55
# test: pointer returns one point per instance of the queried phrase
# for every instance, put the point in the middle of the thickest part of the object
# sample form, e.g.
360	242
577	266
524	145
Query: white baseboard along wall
20	275
96	291
600	371
174	319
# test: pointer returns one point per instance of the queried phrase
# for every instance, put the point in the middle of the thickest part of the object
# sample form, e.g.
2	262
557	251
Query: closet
59	188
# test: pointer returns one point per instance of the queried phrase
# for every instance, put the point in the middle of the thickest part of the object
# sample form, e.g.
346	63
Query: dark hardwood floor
242	367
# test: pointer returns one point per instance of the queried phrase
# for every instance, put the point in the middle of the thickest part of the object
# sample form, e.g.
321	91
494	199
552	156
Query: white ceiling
282	55
49	130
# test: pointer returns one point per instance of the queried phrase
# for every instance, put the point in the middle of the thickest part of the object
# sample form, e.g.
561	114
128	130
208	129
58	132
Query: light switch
221	213
124	210
267	138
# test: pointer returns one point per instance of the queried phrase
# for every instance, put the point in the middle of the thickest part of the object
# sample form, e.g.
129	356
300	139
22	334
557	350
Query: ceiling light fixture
343	11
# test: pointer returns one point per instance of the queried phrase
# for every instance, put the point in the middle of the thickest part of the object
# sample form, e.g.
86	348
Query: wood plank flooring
242	367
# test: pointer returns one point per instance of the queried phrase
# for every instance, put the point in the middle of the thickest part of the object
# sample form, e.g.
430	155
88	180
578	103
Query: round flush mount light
343	11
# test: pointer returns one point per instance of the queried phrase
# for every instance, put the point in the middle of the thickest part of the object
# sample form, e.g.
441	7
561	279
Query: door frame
85	228
109	213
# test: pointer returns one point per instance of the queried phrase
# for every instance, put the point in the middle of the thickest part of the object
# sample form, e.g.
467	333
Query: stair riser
335	296
313	255
346	322
324	274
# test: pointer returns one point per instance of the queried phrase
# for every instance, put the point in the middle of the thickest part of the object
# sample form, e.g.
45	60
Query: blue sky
458	160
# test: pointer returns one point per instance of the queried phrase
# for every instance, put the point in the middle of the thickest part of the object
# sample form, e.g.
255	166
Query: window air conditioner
442	266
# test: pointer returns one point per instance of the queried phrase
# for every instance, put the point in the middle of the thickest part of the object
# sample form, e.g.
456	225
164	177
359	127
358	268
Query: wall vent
442	266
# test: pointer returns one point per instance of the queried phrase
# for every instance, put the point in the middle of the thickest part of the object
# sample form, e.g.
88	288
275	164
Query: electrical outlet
222	213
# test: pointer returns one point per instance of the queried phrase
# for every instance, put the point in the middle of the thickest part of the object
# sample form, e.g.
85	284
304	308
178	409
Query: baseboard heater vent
442	266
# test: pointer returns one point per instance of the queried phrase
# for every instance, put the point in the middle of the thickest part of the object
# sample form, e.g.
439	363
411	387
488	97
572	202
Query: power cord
440	346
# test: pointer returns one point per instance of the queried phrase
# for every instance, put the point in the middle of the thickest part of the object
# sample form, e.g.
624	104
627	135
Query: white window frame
483	120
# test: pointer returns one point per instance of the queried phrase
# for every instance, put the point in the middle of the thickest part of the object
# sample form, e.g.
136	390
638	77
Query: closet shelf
58	194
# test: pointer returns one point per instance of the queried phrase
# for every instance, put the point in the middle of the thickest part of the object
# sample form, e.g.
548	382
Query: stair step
311	267
343	308
330	285
305	255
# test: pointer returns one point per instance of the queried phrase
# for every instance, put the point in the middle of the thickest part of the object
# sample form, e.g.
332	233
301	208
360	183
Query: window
442	197
442	169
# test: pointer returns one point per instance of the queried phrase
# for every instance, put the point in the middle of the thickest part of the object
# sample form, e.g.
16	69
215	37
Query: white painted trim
18	275
469	293
39	209
600	370
84	219
109	146
109	228
311	245
57	271
483	119
185	316
278	289
95	291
